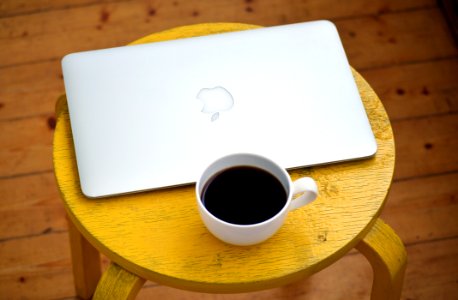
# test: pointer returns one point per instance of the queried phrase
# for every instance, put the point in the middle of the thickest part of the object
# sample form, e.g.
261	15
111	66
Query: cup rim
279	213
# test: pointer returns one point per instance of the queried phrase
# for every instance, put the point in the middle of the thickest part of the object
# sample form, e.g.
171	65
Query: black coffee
244	195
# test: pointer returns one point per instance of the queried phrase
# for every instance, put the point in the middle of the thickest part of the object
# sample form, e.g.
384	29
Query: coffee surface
244	195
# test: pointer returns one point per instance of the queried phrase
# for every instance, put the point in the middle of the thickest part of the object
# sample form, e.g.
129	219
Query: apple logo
215	100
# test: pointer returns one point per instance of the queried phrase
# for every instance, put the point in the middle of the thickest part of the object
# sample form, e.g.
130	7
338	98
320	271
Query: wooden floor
405	49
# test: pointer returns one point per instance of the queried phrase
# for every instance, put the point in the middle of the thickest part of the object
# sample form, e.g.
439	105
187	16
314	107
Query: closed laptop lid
154	115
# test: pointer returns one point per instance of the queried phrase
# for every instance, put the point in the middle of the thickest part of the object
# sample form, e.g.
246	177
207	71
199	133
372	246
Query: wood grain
424	209
56	256
350	278
29	206
386	253
426	146
421	208
418	89
387	38
10	8
27	267
313	8
117	283
26	145
28	191
432	265
32	221
50	276
30	90
396	39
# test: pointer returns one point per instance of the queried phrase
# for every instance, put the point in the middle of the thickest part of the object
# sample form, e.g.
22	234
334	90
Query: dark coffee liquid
244	195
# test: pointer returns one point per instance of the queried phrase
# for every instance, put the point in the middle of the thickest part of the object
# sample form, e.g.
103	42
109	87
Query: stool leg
117	283
86	263
387	255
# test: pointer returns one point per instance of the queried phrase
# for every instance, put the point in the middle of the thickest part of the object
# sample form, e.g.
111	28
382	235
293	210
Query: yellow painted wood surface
388	257
159	236
117	283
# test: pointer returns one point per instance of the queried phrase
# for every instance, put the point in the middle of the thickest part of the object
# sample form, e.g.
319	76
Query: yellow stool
158	235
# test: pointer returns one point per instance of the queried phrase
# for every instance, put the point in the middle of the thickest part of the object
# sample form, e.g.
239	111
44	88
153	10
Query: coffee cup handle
308	189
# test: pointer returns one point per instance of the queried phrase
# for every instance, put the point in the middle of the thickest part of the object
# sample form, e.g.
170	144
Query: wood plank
399	38
43	285
351	277
26	145
416	90
16	7
30	90
426	146
30	205
39	267
423	209
35	254
432	270
28	191
370	41
32	221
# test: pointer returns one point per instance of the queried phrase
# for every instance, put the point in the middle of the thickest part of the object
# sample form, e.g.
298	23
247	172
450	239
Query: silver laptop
155	115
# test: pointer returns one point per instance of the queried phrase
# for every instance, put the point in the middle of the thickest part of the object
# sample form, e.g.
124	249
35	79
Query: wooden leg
387	255
117	283
86	263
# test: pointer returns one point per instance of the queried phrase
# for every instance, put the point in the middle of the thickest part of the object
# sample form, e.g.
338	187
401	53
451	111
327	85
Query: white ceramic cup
299	193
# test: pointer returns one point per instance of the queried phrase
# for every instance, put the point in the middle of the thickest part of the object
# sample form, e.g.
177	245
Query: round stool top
159	236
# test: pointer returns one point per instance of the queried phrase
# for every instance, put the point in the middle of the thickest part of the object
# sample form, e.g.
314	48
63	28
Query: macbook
155	115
